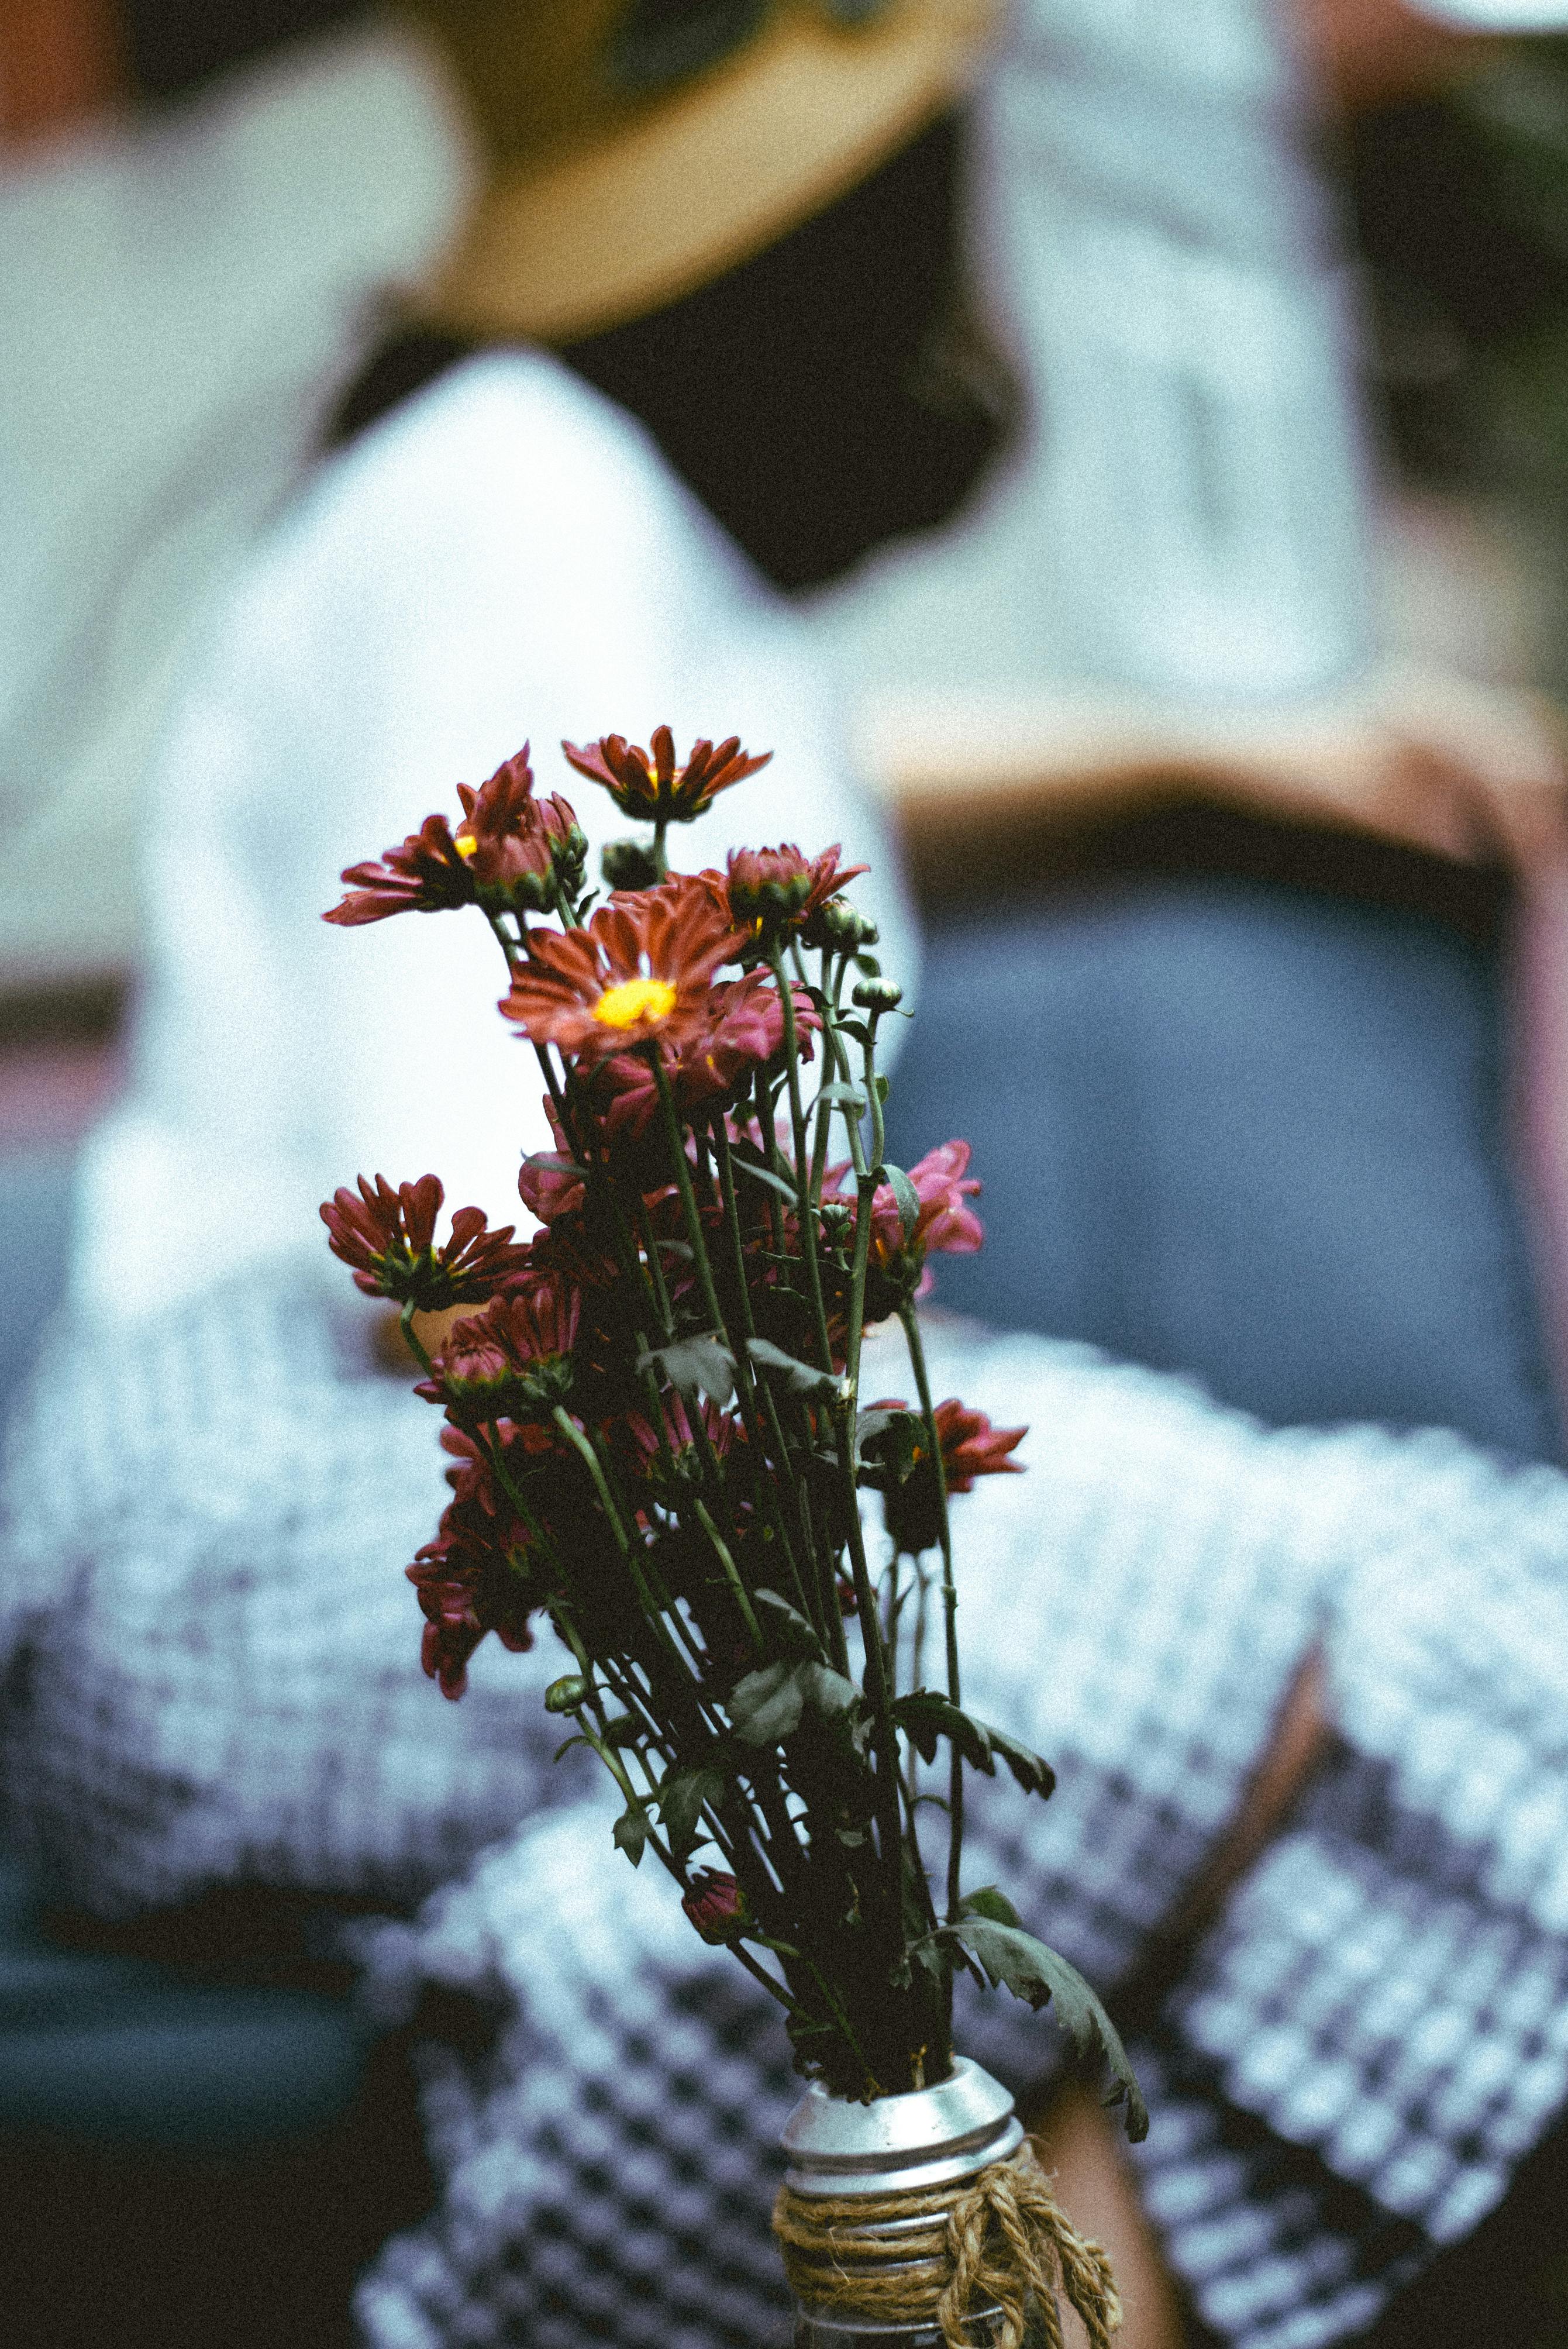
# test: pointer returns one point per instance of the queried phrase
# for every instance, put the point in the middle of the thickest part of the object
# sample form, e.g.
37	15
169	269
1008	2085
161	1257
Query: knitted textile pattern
211	1677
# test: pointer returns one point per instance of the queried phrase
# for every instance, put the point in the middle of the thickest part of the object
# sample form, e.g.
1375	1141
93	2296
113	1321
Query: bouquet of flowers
653	1410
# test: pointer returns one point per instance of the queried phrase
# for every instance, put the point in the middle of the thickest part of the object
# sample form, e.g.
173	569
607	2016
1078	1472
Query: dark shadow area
175	45
201	2142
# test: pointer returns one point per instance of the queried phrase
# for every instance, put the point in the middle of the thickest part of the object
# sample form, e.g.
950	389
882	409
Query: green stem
695	1233
410	1339
783	1466
658	1617
835	2007
907	1316
825	1108
656	1271
768	1140
731	1574
889	1827
805	1205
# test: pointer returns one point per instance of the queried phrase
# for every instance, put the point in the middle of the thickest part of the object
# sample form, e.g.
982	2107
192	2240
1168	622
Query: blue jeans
1239	1131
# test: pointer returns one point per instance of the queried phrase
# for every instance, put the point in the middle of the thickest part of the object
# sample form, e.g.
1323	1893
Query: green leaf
622	1730
793	1627
930	1957
887	1444
989	1902
869	965
907	1197
692	1363
1037	1975
870	1423
1033	1772
926	1716
799	1377
765	1175
827	1691
630	1832
766	1705
680	1802
841	1096
883	1087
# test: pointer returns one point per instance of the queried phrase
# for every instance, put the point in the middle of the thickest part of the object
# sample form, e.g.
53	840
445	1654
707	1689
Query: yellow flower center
634	1000
465	843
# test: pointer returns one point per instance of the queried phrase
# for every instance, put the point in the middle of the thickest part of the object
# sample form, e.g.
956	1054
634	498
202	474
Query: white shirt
505	557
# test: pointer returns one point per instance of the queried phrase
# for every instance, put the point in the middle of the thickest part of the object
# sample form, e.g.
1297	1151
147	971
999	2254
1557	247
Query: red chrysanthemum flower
471	1477
651	786
945	1225
507	853
549	1183
640	1441
427	874
514	1361
739	1027
640	973
972	1447
479	1575
899	1464
387	1236
774	892
517	846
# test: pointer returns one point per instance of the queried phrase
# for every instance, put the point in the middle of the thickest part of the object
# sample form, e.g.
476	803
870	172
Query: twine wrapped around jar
998	2240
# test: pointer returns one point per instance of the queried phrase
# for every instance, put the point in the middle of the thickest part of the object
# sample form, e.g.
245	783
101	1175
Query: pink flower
510	851
946	1225
639	973
515	845
899	1464
774	892
386	1235
426	874
651	785
514	1361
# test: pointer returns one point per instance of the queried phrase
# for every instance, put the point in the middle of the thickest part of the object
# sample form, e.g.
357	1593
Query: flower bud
837	925
878	995
716	1907
568	855
627	865
568	1694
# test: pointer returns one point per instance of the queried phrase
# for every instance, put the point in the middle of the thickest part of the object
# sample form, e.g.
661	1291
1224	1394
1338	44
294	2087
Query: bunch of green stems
819	1825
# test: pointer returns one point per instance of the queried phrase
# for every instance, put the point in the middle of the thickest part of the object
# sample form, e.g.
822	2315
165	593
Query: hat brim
568	247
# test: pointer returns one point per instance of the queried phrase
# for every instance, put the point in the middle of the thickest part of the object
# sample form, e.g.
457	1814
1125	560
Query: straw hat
639	148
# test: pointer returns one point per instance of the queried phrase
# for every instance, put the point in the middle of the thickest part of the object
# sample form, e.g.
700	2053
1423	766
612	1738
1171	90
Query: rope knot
999	2242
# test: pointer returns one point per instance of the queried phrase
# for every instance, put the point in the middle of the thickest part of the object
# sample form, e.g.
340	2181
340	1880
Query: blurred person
481	560
1269	1125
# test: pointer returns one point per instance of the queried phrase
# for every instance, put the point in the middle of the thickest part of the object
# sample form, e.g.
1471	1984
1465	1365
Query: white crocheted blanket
211	1678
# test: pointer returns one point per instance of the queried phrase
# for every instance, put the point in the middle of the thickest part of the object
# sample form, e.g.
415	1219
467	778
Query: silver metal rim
930	2136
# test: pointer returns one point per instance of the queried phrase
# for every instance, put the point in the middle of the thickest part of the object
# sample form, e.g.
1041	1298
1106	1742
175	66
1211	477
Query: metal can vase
867	2191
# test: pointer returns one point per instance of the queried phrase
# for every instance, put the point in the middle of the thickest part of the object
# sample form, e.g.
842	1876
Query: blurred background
206	217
